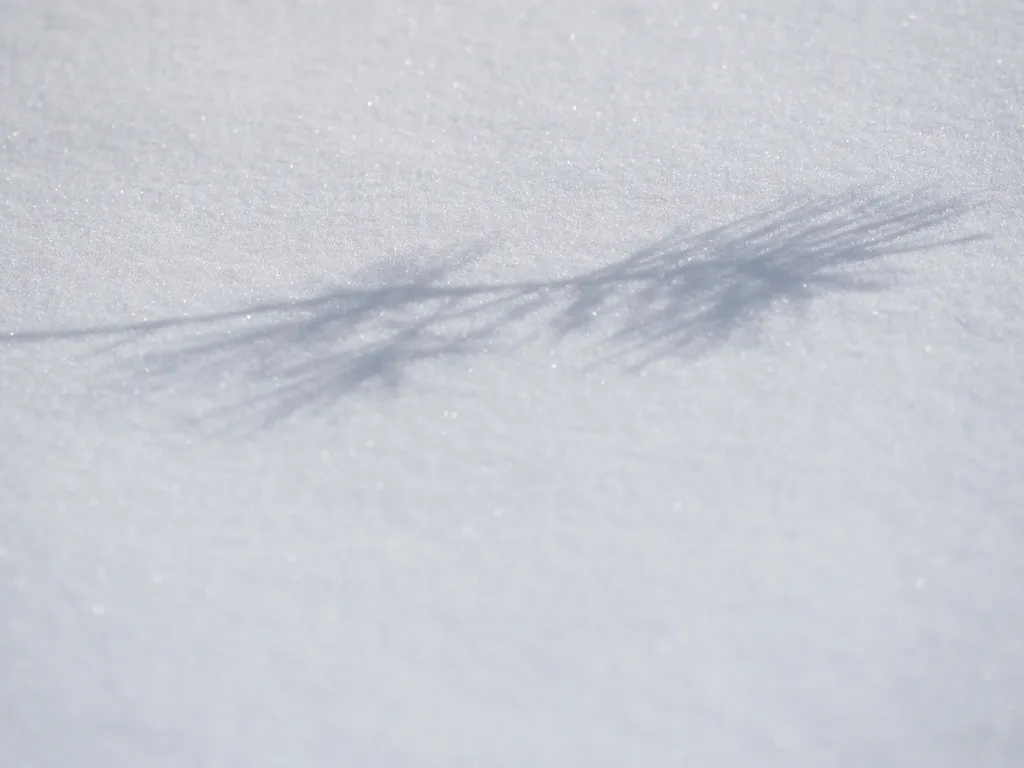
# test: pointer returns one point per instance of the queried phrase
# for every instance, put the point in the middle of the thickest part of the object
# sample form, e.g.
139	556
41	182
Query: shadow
676	297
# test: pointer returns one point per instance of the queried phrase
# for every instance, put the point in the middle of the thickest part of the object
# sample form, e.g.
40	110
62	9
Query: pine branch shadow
677	297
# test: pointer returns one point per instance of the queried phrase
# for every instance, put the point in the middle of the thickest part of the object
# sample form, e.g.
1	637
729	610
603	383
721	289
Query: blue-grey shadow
677	297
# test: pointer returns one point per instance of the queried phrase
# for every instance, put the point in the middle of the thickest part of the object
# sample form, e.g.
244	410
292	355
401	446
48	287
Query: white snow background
511	383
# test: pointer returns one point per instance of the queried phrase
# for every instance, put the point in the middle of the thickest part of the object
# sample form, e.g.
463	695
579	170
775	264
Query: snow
511	383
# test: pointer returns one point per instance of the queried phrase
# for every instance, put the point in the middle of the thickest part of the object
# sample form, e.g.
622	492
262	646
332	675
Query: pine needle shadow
677	297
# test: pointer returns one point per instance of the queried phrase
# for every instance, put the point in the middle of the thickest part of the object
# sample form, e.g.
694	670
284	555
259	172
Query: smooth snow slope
517	383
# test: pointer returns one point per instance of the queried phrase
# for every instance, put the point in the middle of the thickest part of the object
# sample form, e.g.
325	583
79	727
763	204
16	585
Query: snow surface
511	383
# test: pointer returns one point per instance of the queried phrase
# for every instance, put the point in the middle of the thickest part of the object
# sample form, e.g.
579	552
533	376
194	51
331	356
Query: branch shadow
677	297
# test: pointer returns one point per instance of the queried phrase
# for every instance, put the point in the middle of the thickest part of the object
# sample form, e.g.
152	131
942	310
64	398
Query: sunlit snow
511	383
